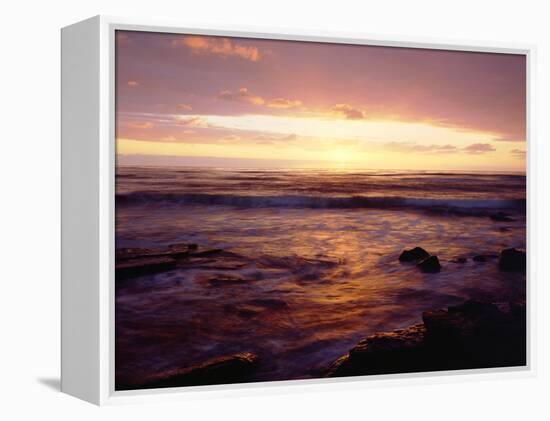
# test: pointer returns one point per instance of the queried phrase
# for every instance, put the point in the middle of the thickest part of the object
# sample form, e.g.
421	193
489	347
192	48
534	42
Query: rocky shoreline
474	334
471	335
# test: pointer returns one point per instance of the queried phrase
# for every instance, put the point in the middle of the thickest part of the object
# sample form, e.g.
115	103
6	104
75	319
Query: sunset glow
317	105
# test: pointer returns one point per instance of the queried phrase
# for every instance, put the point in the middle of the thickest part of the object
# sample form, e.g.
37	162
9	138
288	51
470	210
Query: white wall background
29	234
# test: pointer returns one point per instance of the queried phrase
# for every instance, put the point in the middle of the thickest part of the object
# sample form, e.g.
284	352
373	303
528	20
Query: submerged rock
228	369
143	266
173	250
512	260
413	255
460	260
429	265
471	335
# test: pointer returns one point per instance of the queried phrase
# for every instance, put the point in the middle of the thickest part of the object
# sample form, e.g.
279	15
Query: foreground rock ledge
471	335
234	368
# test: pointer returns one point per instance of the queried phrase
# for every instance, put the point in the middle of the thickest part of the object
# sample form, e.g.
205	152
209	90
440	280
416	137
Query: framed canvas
244	210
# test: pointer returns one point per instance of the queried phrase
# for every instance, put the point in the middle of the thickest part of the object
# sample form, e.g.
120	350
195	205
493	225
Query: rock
224	370
413	255
484	257
173	250
143	266
500	217
429	265
512	260
478	334
389	352
207	253
460	260
471	335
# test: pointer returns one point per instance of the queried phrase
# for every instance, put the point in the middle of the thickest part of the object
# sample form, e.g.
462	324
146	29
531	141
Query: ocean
315	256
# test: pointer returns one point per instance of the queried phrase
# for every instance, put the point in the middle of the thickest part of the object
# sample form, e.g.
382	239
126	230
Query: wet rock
500	217
413	255
173	250
207	253
224	370
429	265
471	335
389	352
143	266
512	260
460	260
484	257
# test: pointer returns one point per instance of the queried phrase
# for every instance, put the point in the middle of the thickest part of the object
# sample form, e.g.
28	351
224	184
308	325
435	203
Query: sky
239	102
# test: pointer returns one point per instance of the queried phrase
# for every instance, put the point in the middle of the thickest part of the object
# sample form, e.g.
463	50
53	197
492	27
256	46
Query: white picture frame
88	159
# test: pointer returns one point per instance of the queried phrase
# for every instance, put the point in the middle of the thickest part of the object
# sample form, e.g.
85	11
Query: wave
466	206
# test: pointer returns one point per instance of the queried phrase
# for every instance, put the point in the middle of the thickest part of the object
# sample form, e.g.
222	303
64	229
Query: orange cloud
191	121
217	46
411	147
185	107
133	83
242	95
284	103
348	111
142	125
518	153
477	148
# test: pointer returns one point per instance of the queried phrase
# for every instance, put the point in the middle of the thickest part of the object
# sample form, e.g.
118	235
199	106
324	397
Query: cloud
242	95
142	125
348	111
519	153
284	103
267	138
133	83
217	46
191	121
410	147
185	107
478	148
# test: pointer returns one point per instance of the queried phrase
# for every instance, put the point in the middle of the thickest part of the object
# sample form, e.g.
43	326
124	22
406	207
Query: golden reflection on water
321	281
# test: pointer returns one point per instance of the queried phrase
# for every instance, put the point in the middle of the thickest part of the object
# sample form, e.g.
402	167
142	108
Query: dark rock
207	253
512	260
224	370
413	255
471	335
429	265
500	217
173	250
484	257
143	266
390	352
459	260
